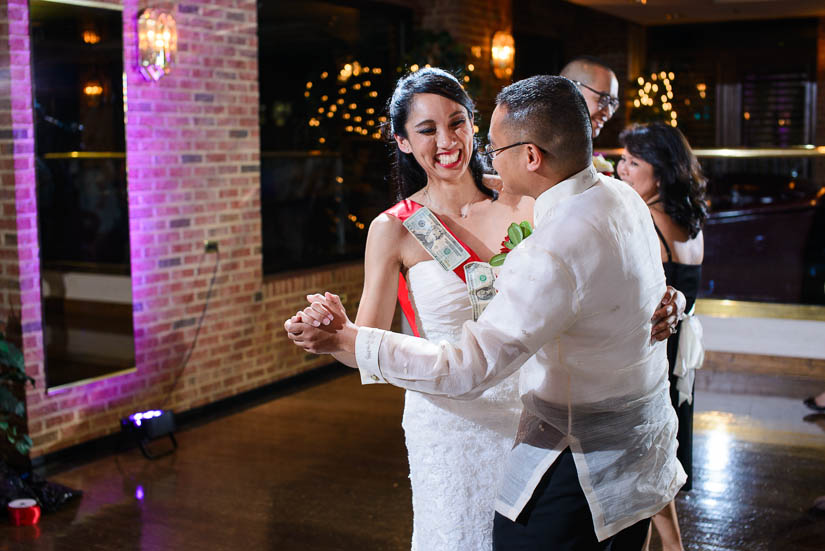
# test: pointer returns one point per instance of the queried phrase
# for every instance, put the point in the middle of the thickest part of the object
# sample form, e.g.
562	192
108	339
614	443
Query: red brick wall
19	258
193	161
9	281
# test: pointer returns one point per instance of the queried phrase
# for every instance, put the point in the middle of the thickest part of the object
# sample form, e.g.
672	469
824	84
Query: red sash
402	211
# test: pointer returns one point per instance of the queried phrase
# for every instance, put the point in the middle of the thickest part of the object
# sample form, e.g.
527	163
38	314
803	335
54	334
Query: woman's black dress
685	278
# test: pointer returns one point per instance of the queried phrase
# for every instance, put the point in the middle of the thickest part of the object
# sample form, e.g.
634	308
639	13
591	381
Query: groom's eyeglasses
606	101
491	153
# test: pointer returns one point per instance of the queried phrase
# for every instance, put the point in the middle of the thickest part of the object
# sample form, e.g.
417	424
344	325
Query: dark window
77	60
326	72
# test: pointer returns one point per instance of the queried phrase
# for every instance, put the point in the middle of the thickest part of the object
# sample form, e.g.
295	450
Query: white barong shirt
573	312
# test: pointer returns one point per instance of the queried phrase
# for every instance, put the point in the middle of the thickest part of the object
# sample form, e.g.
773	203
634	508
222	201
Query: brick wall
19	258
193	161
9	262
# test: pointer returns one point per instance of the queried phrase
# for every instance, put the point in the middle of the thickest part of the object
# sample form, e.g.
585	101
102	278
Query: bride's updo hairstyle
408	176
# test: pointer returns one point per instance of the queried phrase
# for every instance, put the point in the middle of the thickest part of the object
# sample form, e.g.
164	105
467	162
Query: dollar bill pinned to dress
480	280
436	239
448	251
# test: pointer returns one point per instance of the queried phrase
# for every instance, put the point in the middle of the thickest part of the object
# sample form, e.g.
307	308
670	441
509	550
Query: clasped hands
324	328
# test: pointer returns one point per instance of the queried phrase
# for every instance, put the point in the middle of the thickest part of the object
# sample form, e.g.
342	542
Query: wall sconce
504	54
157	43
91	36
93	89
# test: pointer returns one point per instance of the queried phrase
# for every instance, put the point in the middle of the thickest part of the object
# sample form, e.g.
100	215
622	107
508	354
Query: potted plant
13	379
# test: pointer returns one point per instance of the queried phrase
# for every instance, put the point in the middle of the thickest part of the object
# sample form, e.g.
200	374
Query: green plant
12	409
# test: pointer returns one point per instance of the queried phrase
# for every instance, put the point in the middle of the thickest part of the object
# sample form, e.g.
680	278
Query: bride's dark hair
407	175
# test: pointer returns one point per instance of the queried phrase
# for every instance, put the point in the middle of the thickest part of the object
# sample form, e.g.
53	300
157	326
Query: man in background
599	86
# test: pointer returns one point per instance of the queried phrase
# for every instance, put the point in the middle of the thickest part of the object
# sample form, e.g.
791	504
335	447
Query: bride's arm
382	262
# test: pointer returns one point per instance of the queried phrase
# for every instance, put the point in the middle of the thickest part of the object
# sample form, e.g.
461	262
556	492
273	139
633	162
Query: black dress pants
557	518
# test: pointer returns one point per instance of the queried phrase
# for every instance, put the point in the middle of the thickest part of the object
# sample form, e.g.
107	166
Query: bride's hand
322	327
326	308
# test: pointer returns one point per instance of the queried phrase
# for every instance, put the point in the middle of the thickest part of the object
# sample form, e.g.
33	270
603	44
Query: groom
595	453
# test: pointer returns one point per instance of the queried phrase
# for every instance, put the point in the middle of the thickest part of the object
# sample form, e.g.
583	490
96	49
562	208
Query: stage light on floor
146	426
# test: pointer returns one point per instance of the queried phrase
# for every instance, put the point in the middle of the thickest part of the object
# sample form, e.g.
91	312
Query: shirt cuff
367	343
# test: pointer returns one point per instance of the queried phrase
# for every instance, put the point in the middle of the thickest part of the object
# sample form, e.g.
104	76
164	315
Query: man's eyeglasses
491	153
606	101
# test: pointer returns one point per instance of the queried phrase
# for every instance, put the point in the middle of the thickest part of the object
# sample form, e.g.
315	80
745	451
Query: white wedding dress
457	448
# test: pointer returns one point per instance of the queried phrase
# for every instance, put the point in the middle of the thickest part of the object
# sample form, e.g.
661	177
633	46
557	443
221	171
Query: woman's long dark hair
681	182
407	175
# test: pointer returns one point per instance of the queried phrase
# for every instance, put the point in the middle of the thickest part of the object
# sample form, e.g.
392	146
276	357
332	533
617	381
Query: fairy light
354	101
656	92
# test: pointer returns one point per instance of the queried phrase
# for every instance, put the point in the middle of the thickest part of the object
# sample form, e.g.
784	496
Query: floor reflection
324	468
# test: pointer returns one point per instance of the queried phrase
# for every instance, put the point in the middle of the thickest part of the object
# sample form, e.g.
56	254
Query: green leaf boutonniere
516	233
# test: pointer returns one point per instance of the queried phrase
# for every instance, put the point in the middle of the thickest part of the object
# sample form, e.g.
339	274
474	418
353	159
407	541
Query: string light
648	95
354	101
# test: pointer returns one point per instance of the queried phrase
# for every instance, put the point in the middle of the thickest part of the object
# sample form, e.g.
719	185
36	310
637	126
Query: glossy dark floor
324	468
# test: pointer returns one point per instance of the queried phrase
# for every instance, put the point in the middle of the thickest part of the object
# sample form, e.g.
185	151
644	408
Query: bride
456	448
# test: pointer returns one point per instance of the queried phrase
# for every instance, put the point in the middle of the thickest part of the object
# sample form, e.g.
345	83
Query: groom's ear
403	144
535	157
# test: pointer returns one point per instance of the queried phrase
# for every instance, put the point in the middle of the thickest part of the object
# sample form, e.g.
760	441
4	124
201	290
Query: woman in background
659	164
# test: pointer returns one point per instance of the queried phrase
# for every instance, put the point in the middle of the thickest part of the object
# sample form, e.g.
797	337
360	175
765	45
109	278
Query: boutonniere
603	165
516	233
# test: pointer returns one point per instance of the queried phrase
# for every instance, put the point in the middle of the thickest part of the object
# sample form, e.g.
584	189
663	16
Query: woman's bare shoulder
386	226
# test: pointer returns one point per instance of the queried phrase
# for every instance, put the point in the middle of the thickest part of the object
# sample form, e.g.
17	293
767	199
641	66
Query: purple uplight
139	493
137	418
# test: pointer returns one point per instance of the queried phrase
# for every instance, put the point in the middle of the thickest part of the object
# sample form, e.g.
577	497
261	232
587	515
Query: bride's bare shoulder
517	204
385	226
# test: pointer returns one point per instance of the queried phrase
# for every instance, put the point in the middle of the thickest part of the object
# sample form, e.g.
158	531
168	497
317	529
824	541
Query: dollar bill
434	237
480	280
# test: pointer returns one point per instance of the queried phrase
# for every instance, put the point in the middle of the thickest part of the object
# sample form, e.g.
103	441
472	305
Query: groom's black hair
550	112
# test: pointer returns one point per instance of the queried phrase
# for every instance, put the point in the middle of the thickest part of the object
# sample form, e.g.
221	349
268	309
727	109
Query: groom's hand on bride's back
667	315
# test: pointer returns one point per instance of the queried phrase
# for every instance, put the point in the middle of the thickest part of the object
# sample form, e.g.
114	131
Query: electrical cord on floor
188	354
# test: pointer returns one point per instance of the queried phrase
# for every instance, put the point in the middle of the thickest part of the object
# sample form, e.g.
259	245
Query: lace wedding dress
457	448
